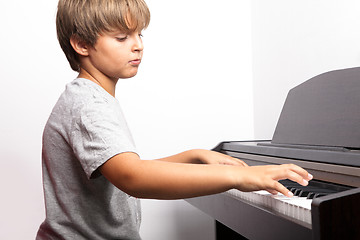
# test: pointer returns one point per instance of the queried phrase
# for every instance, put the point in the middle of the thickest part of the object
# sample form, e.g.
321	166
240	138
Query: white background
293	41
195	88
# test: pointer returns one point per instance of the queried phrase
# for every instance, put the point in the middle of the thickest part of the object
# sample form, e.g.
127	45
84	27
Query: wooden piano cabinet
337	216
248	220
334	217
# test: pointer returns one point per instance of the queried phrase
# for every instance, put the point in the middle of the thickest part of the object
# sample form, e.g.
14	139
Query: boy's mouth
135	62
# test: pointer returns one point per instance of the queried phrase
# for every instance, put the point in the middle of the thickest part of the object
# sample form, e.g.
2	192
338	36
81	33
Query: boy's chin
129	75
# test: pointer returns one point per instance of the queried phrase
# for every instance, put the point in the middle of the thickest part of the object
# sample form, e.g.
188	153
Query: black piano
319	130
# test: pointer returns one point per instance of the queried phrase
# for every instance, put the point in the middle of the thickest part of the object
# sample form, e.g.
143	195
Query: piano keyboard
297	208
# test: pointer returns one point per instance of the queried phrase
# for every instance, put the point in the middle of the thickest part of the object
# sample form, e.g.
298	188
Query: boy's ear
79	45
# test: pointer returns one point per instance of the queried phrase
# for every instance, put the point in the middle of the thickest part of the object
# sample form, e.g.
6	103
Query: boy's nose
138	44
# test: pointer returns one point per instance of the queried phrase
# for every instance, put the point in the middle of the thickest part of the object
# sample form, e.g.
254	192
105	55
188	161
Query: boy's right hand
266	178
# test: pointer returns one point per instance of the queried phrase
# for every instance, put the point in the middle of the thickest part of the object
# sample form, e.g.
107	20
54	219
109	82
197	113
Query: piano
319	130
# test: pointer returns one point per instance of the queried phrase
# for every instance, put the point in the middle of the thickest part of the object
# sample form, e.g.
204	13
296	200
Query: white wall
32	75
194	90
294	41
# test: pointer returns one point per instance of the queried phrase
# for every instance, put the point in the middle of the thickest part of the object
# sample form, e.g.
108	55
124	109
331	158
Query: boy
91	172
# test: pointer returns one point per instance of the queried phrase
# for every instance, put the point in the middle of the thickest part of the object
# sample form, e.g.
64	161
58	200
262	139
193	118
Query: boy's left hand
212	157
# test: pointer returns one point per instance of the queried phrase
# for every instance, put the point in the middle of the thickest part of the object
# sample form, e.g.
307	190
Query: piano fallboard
321	154
341	167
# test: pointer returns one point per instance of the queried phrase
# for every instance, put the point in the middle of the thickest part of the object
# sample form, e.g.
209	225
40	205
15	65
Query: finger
297	178
302	172
244	164
278	187
235	161
240	162
295	173
273	192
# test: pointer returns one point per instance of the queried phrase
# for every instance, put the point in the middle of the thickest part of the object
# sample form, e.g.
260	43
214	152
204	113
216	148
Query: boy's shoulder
83	92
83	97
84	88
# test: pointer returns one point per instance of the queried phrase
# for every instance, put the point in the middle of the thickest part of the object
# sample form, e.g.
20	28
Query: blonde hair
86	19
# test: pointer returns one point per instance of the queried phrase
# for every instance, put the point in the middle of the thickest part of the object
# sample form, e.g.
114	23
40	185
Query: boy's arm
203	156
167	180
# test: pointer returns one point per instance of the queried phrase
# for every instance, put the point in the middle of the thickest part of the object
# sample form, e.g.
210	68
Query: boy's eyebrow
119	32
114	32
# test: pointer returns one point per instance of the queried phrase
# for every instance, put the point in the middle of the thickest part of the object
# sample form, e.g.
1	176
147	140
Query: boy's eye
121	39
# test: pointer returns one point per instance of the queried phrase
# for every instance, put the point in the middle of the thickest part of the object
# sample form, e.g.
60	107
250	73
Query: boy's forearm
177	180
166	180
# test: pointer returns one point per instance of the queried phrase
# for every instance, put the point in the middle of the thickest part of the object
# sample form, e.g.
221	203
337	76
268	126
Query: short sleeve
99	133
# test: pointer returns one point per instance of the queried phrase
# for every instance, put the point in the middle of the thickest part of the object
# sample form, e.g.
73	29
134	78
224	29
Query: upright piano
319	130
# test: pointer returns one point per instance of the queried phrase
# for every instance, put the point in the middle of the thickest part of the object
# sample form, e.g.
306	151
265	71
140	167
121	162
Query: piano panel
250	221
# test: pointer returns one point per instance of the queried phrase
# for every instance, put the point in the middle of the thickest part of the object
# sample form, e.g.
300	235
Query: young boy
92	174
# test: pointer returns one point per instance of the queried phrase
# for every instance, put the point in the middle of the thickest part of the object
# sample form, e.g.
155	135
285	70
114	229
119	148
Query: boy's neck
104	82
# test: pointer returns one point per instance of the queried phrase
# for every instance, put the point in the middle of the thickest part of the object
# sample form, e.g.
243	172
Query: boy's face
116	54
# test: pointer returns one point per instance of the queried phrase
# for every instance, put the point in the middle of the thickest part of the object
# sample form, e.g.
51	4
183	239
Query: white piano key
298	208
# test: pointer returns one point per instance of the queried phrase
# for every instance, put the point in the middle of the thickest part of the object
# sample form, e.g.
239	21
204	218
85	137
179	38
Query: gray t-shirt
84	130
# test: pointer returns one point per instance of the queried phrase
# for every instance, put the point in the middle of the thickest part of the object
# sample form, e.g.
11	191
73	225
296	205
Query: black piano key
320	195
311	191
304	193
310	195
297	192
293	190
